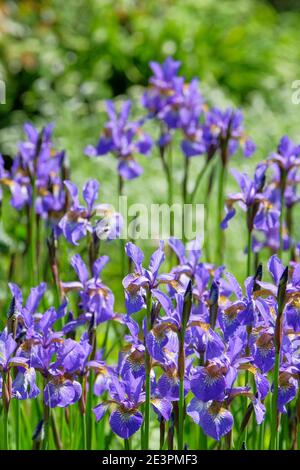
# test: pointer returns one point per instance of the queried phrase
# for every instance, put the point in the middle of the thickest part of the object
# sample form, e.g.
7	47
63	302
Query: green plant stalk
260	445
127	444
249	254
33	264
17	423
148	383
181	366
5	430
83	429
122	244
197	182
274	403
281	224
220	201
282	191
202	439
185	193
89	414
281	293
6	386
46	427
168	170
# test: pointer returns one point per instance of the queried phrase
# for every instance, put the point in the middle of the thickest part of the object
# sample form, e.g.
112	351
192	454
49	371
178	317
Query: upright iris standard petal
90	193
80	267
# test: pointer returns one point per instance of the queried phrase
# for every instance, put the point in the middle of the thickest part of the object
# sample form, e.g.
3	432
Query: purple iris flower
126	397
287	390
96	298
252	200
26	314
8	347
292	313
164	87
60	364
263	351
124	139
212	386
136	284
214	419
37	164
78	221
227	125
287	156
60	391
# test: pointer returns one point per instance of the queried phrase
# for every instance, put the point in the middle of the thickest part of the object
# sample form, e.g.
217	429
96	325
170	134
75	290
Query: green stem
83	428
168	170
5	430
197	182
281	224
89	412
282	191
148	383
220	234
17	423
122	244
185	193
181	361
126	444
46	427
202	439
249	253
33	265
274	403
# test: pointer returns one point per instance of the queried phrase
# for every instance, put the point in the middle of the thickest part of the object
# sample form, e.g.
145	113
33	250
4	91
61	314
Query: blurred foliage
56	54
60	60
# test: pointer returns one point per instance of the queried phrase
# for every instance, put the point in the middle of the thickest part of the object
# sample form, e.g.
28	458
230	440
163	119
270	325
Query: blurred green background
60	60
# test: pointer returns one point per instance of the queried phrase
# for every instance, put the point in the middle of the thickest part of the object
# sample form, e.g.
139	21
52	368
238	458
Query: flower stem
249	252
33	274
220	234
185	193
83	436
197	182
274	403
181	364
89	415
122	245
5	430
46	427
148	383
17	423
126	444
281	294
281	218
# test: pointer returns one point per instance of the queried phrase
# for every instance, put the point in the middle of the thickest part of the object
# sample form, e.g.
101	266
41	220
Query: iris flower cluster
192	348
269	200
228	330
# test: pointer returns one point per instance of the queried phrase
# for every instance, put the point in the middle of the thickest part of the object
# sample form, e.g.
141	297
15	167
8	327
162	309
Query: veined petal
208	383
99	411
213	419
163	407
124	422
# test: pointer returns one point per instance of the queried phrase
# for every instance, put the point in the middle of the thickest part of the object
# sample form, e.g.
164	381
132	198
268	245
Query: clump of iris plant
193	357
